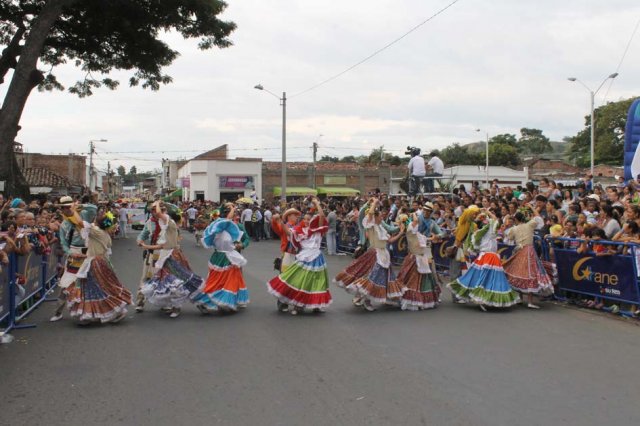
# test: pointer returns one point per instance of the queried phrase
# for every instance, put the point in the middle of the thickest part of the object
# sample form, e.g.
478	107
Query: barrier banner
4	291
347	236
398	250
28	274
505	251
439	253
611	277
52	261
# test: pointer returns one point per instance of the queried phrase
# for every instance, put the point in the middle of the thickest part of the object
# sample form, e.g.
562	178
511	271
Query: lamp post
486	157
283	102
92	150
593	96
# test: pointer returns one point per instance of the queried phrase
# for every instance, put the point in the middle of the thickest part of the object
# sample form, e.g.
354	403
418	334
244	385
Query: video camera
412	151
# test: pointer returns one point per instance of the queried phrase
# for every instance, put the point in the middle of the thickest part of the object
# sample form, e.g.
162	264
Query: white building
505	175
466	175
213	176
170	174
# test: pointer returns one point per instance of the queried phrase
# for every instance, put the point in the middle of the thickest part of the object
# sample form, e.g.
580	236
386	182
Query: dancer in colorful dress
97	294
289	247
74	249
465	229
485	283
148	237
362	264
416	273
305	284
524	269
378	285
225	289
173	281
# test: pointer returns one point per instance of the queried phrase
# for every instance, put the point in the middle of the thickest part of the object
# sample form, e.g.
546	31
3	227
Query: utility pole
315	154
109	179
92	150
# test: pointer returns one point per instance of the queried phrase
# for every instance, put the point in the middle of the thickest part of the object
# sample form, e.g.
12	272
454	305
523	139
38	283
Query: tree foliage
533	141
610	122
97	36
121	171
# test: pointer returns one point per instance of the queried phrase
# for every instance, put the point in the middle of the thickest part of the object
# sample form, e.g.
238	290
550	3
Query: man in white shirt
417	171
267	223
123	218
245	218
436	166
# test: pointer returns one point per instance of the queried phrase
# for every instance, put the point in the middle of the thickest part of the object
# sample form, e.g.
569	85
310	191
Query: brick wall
71	166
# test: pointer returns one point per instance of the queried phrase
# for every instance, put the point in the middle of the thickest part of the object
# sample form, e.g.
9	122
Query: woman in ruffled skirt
378	286
173	282
524	269
416	276
97	294
225	289
305	284
485	282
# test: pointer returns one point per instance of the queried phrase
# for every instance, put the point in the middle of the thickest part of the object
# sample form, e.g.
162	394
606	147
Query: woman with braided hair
225	288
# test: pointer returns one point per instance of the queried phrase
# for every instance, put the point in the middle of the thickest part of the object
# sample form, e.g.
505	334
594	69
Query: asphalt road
451	366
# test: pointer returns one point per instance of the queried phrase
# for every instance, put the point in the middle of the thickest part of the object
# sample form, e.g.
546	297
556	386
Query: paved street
453	365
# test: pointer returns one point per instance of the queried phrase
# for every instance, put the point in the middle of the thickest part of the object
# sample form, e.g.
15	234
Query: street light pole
283	182
486	158
283	172
592	94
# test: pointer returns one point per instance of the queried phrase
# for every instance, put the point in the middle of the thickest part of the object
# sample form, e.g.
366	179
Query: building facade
213	176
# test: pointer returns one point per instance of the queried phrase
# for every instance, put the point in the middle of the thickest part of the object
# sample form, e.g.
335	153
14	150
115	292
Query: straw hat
289	213
65	201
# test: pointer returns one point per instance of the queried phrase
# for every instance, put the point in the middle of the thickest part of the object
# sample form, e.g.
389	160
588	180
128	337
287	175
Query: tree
504	139
133	171
121	171
329	158
502	154
456	154
532	141
98	37
348	159
611	120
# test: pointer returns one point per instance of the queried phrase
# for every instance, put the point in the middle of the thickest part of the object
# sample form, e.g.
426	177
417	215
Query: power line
376	52
633	34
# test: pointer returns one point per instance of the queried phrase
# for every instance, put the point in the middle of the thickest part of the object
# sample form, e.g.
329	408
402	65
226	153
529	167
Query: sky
496	65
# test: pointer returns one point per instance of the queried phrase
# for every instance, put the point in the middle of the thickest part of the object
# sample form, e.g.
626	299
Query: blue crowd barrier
613	277
25	284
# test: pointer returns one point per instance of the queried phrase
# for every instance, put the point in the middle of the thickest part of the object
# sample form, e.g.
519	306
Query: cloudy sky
497	65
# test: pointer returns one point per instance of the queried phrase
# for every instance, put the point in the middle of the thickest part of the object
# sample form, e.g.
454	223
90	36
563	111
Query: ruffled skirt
526	273
485	283
100	297
359	268
303	284
225	287
421	290
172	285
378	287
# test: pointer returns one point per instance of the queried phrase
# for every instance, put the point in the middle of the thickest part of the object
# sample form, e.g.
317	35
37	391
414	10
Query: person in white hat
74	249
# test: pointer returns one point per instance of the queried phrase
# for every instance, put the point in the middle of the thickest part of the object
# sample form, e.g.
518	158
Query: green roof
295	191
337	191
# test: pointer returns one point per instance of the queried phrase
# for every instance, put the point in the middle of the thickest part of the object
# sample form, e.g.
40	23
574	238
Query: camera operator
436	168
417	170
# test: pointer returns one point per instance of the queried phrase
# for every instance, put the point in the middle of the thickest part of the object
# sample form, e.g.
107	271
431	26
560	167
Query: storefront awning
293	191
174	194
338	191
